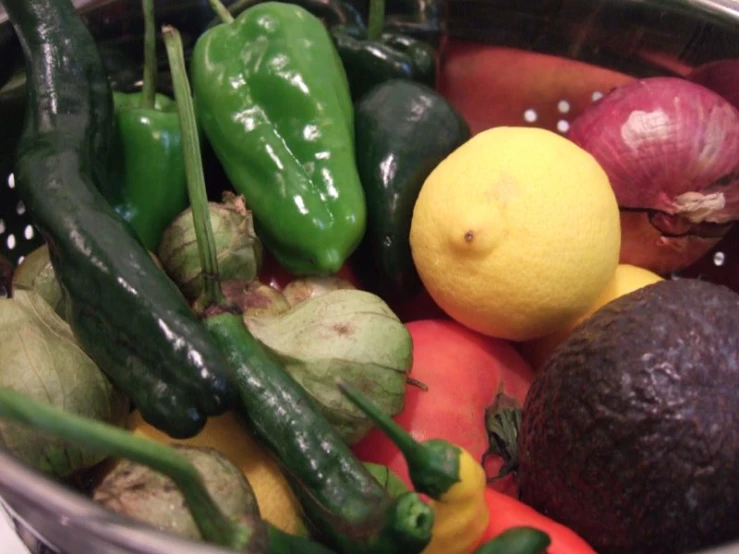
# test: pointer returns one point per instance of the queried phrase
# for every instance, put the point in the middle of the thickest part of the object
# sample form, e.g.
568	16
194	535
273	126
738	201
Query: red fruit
462	370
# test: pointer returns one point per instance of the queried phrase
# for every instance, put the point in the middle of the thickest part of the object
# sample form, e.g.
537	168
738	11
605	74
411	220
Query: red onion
721	76
671	151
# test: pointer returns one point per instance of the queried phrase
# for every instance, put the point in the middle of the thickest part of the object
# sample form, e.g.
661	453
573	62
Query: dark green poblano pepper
272	97
374	55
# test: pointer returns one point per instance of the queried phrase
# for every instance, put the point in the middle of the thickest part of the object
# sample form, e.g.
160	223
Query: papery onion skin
669	147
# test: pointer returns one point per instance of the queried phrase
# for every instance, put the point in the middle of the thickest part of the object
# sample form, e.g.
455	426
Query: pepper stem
108	440
410	447
148	92
212	293
376	20
433	465
221	10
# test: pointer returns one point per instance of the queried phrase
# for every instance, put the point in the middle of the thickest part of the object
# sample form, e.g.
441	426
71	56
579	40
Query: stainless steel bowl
636	37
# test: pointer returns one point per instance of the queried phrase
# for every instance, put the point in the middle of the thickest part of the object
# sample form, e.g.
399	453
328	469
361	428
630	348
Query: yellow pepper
461	514
448	474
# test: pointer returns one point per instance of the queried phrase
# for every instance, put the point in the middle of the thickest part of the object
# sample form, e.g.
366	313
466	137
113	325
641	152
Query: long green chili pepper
124	311
376	19
339	495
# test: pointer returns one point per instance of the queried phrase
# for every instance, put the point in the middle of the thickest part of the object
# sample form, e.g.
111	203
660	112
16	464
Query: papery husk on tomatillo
40	357
238	248
342	334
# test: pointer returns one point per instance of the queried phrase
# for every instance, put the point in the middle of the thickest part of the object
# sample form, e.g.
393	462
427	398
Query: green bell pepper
272	98
148	166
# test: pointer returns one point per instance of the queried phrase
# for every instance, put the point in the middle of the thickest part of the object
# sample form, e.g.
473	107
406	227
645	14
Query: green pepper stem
222	11
212	293
108	440
433	465
413	450
376	20
148	92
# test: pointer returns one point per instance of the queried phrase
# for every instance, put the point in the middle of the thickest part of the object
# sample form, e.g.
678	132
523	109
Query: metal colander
544	61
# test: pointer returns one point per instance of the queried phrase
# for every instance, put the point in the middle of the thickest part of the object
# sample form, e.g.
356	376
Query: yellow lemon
516	232
277	504
627	278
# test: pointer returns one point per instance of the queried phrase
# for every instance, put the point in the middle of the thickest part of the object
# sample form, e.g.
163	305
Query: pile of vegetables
147	296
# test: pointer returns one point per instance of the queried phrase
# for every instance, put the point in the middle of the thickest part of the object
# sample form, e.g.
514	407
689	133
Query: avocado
630	431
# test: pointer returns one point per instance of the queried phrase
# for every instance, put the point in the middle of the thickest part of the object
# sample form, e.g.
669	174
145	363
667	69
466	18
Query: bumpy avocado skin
630	433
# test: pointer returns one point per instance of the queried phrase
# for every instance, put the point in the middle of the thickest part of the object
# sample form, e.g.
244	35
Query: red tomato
462	370
507	512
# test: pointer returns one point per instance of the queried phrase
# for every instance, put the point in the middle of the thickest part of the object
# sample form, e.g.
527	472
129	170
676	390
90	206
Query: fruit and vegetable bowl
370	276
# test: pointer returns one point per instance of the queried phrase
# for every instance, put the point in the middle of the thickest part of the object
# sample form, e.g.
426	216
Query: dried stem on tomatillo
212	293
221	10
376	20
108	440
148	92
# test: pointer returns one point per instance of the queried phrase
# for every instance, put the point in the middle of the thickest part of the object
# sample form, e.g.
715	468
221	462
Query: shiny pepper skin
273	100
